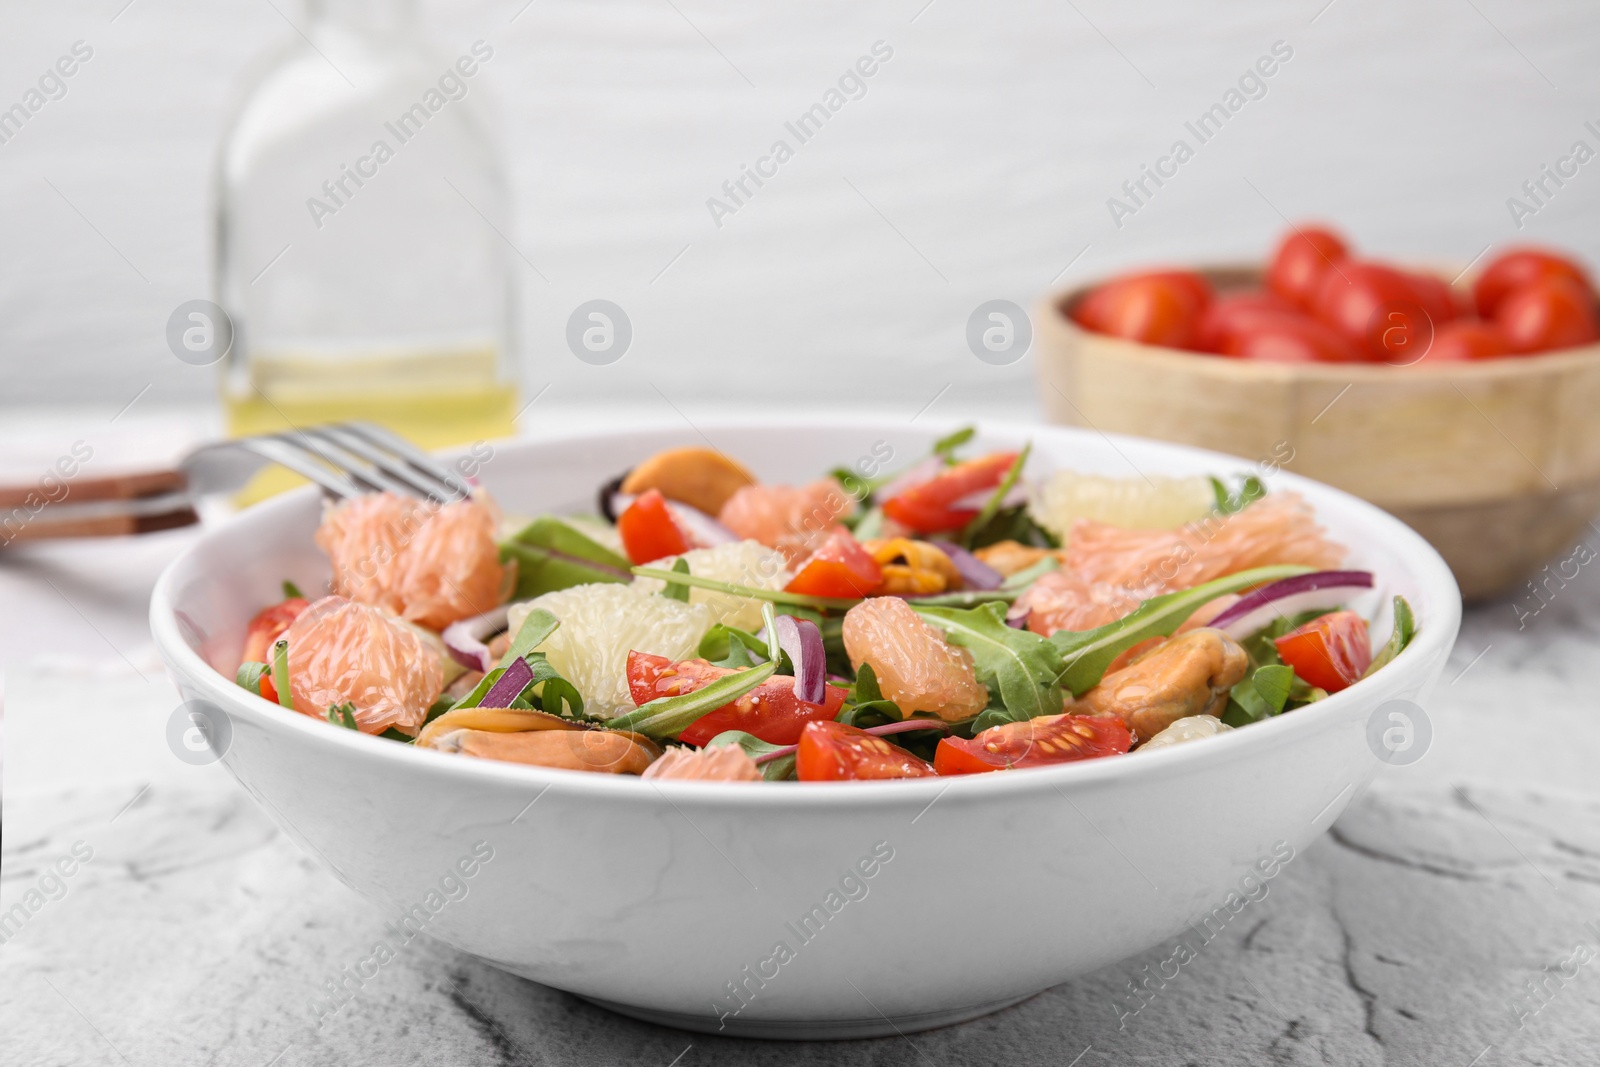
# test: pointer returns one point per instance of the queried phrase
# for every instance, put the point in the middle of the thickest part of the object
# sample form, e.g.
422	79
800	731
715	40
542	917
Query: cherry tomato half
1467	339
770	711
1518	267
840	568
1035	743
269	625
1546	315
1302	258
1228	314
1159	308
926	508
1291	339
834	752
648	529
1330	652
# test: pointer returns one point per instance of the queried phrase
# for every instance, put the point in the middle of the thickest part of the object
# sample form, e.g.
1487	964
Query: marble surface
190	931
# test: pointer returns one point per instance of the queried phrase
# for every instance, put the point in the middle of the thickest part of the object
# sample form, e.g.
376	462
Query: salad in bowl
969	612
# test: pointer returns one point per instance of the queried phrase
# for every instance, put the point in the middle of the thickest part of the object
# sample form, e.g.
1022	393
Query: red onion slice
801	639
464	639
508	686
1289	596
974	572
1017	618
702	529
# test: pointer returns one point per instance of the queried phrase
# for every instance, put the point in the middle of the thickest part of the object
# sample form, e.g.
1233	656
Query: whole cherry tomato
1377	307
1302	257
1467	339
1227	314
1160	308
1436	297
1292	339
1518	267
1546	315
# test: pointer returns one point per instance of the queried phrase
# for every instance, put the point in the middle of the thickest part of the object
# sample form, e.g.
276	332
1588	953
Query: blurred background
977	166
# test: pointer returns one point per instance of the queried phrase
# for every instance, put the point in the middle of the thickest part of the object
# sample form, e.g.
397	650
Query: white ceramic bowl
924	902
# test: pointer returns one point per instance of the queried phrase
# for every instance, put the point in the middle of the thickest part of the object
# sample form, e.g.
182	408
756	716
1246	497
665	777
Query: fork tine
456	487
354	466
299	460
419	482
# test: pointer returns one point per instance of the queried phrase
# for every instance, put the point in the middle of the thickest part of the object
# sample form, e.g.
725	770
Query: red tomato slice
1035	743
834	752
269	625
770	711
926	508
840	568
1330	652
1519	267
1303	256
1548	315
268	690
1156	308
648	529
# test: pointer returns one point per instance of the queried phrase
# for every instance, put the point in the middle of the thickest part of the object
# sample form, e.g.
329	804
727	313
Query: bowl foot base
810	1029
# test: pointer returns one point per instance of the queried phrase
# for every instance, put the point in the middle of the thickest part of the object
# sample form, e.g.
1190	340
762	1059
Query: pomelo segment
795	520
600	625
1065	600
916	667
342	651
741	562
1278	528
431	565
726	763
1133	503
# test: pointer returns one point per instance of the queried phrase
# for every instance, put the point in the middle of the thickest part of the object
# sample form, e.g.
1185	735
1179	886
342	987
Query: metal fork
347	459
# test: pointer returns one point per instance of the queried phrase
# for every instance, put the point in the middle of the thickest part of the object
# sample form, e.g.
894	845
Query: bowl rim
1053	306
1435	637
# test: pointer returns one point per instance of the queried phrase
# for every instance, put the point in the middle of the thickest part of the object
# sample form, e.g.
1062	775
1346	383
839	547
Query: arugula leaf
1405	628
946	445
865	705
395	735
291	590
867	525
343	715
280	674
1087	653
1020	668
539	625
991	507
1259	696
670	716
677	590
729	646
250	675
1014	524
773	596
775	770
1228	502
552	554
439	707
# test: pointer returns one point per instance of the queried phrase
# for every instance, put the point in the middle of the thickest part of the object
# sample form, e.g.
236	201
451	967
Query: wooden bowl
1497	463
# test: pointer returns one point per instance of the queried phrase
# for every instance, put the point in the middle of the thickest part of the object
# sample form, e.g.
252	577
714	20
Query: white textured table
196	933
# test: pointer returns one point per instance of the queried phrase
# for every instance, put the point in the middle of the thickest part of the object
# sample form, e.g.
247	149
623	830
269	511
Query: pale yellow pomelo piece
1132	503
739	562
600	625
